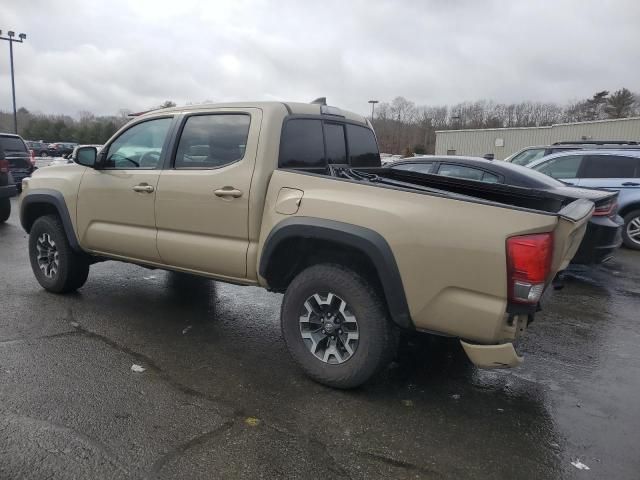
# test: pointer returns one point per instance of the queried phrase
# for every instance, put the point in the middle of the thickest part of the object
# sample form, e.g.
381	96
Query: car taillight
528	266
33	157
606	209
4	166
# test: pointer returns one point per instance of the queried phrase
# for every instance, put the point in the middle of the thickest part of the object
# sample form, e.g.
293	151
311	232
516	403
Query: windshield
12	144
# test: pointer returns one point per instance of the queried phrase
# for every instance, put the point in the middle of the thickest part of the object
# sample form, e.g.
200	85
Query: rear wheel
631	230
54	263
5	209
336	326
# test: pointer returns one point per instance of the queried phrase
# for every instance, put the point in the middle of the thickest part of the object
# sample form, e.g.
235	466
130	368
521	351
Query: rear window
12	144
611	166
302	144
363	149
336	146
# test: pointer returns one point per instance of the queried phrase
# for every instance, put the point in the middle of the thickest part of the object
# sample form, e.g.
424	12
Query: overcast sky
103	56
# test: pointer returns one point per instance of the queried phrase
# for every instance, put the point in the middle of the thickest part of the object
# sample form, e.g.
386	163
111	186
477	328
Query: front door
115	212
202	201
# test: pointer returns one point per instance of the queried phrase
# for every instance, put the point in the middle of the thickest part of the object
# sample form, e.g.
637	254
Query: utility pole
373	105
10	38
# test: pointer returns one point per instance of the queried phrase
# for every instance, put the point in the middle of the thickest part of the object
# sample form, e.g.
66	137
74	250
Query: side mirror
86	156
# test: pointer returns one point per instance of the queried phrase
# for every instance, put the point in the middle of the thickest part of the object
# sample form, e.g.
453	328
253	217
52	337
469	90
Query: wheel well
293	255
628	208
35	210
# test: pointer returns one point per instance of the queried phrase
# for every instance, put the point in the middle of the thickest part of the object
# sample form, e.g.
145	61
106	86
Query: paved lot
220	398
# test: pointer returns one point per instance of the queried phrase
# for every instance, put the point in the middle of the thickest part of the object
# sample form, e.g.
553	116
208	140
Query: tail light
4	166
33	157
606	209
528	266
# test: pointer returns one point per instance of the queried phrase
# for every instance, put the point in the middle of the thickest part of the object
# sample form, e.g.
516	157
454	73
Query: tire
377	337
64	270
631	230
44	154
5	209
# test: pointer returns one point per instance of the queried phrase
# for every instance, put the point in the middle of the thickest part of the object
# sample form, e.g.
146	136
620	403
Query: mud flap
492	356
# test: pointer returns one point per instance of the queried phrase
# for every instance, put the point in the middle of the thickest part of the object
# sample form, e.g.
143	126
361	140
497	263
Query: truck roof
293	108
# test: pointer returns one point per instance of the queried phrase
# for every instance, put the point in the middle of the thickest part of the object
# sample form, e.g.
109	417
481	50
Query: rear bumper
602	238
8	191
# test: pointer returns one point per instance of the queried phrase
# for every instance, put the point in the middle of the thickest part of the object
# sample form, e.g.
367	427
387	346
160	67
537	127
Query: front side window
212	141
562	167
528	156
302	144
611	166
139	147
363	148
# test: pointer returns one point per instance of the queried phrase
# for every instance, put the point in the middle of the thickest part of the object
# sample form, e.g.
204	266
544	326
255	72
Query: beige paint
450	251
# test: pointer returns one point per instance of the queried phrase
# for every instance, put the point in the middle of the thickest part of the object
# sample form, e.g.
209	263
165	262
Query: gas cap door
288	200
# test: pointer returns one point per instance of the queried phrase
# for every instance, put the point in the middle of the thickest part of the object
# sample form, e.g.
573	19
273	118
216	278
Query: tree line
86	129
402	127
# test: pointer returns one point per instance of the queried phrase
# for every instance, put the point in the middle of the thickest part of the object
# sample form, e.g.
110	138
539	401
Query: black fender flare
369	242
55	199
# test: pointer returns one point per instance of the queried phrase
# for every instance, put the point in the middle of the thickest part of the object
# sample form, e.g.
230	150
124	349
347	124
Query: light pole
373	106
10	38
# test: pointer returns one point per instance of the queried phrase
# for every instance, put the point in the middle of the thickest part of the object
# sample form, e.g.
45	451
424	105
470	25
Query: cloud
104	56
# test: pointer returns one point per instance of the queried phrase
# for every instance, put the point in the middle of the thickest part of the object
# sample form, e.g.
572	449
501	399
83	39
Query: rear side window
12	144
302	144
562	167
363	149
212	141
468	173
336	147
611	166
415	167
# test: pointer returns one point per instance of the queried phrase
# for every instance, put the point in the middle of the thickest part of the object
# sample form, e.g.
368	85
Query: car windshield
12	144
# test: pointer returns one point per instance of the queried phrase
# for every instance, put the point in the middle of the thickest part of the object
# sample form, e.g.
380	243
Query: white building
502	142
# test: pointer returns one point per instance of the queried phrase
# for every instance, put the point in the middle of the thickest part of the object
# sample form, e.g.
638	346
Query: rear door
202	202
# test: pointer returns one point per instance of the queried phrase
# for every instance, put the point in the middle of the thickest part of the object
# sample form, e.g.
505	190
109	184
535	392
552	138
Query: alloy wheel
48	260
329	328
633	230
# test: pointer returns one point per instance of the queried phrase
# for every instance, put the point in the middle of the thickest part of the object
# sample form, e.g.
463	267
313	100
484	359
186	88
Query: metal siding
481	142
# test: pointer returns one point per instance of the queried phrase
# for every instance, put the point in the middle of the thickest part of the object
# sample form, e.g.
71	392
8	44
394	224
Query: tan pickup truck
292	197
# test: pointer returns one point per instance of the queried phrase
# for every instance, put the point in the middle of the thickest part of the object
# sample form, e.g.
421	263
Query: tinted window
528	156
460	171
12	144
140	146
211	141
611	166
415	167
302	144
363	149
562	167
336	146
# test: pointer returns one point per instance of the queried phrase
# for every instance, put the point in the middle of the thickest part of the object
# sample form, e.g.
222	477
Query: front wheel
54	263
336	326
5	209
631	230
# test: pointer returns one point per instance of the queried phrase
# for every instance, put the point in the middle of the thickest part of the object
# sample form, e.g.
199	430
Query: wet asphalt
220	398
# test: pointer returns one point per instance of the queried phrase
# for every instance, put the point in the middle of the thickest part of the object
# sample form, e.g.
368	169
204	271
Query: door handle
228	192
630	184
143	187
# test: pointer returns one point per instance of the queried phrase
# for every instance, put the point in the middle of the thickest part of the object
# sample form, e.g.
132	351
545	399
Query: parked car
18	156
603	234
7	188
60	149
616	170
292	197
531	154
39	149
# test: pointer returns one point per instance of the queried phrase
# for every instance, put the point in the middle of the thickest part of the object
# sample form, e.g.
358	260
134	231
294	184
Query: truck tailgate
572	224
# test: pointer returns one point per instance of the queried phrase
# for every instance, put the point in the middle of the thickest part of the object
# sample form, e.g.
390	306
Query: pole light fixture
373	105
10	38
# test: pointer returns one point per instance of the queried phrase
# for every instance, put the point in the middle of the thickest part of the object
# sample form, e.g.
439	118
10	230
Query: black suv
18	157
7	189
